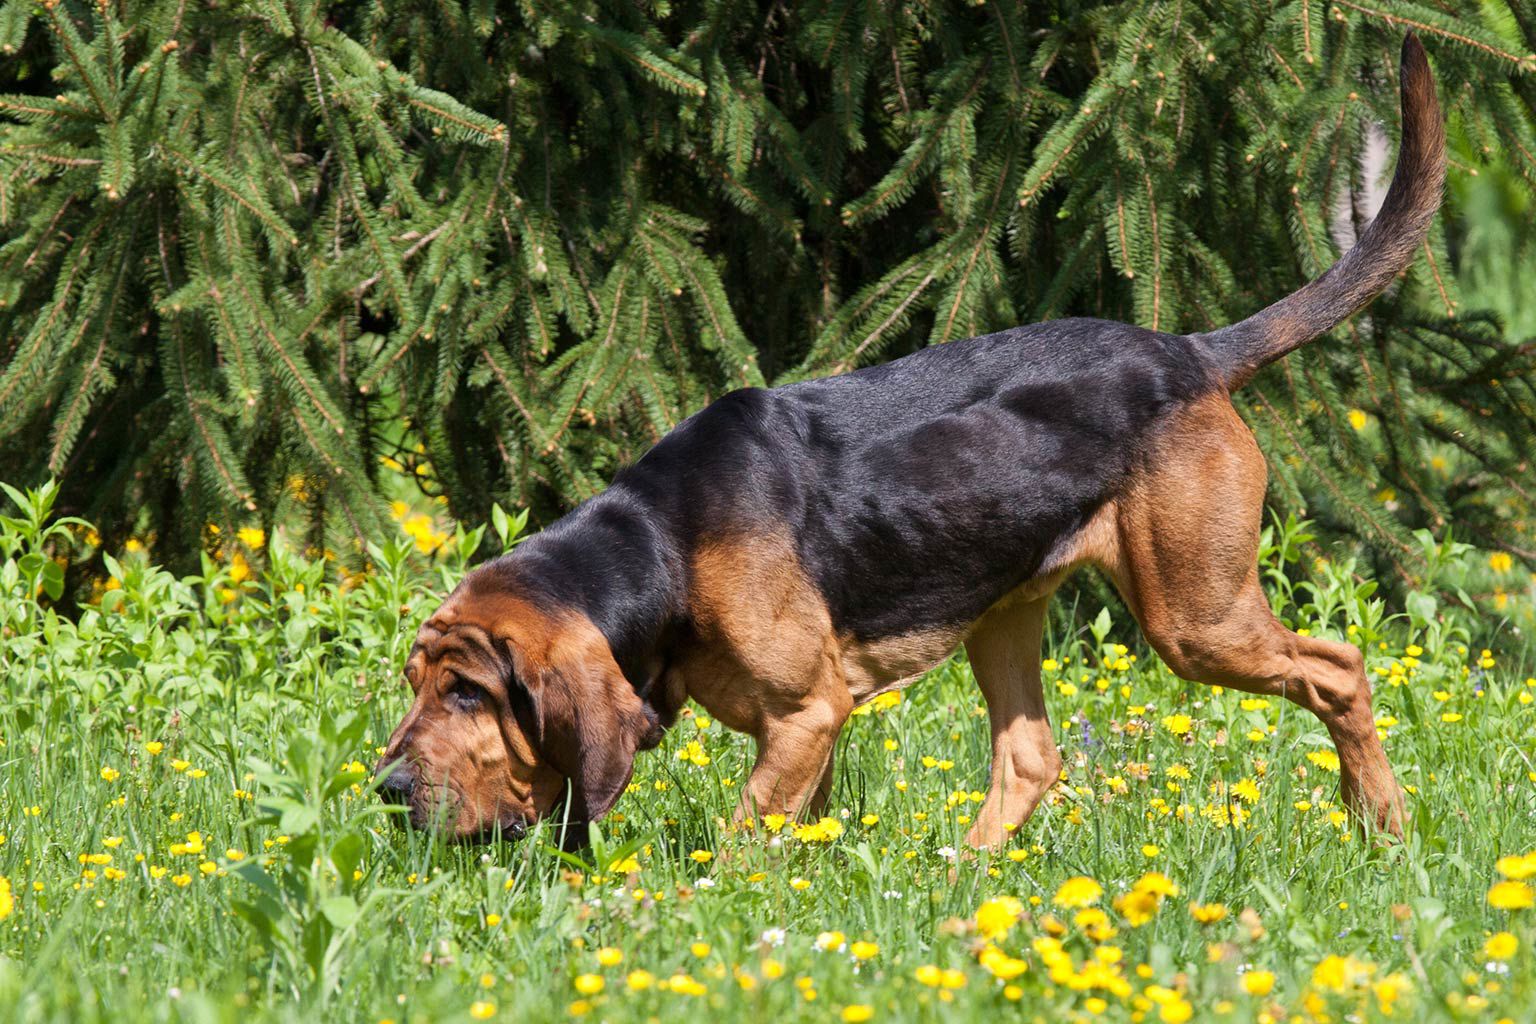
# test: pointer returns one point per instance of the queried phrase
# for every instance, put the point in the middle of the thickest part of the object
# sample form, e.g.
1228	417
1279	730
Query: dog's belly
872	667
875	666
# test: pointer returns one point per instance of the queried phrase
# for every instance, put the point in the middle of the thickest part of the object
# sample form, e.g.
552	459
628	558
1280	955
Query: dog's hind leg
1004	649
1185	561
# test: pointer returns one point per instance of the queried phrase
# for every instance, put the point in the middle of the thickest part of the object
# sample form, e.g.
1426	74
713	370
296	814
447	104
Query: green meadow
190	834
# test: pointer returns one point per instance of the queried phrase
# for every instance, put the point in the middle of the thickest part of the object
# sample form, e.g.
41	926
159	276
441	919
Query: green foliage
239	243
188	832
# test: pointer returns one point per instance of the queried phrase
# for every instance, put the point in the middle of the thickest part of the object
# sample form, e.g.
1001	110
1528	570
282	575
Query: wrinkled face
468	766
516	709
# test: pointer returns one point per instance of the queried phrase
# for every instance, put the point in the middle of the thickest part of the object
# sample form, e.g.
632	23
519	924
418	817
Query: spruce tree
242	243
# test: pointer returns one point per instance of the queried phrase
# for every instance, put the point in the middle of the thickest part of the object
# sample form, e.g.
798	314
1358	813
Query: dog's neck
608	560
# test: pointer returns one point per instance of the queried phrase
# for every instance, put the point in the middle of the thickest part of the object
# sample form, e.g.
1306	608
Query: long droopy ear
588	721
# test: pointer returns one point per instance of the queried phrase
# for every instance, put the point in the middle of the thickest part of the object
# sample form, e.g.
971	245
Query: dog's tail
1385	248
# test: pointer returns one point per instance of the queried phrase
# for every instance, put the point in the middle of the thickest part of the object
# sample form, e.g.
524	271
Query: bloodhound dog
786	554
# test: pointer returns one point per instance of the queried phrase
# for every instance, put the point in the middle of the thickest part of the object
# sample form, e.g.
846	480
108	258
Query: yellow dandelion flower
1517	867
1179	725
1501	946
701	856
1327	760
1511	895
864	950
822	831
482	1009
639	980
857	1013
1157	883
1259	983
1138	907
1079	891
1339	973
996	917
1175	1011
609	956
830	940
588	984
1208	913
1000	965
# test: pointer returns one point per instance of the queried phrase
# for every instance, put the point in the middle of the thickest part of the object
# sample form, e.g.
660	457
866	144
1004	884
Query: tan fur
1004	649
768	665
1185	559
1181	545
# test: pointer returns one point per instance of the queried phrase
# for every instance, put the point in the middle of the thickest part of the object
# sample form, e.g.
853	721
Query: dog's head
517	704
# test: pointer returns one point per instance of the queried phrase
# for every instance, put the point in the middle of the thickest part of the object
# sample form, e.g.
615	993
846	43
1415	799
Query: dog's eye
464	695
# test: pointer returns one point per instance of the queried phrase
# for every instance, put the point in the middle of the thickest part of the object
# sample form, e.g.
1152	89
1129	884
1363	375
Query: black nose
397	787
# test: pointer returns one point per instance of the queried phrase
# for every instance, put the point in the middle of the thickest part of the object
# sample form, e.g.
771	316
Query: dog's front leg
794	756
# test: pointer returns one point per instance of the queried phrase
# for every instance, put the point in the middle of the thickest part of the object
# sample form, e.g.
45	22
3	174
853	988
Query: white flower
705	883
947	852
773	937
892	894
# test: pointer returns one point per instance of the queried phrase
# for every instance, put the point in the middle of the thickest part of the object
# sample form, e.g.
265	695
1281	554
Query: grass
189	832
